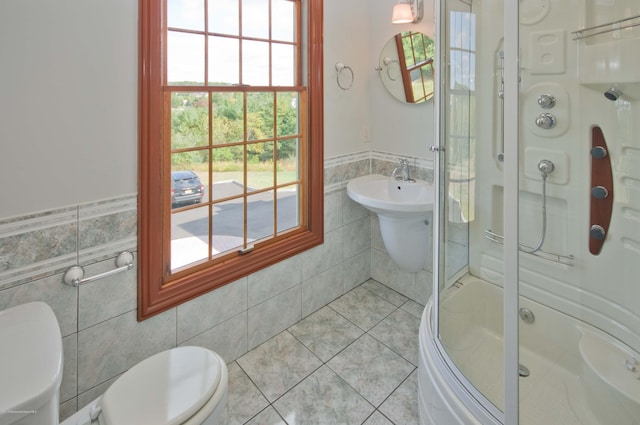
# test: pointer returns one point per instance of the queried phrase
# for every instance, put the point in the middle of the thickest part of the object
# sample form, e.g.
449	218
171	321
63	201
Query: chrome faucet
401	172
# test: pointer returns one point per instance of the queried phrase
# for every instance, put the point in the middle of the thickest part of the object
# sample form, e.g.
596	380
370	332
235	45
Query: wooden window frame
158	288
405	69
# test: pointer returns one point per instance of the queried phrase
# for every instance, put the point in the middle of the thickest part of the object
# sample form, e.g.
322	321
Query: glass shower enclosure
535	317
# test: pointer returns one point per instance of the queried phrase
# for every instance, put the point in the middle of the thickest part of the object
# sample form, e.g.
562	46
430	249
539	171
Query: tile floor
351	362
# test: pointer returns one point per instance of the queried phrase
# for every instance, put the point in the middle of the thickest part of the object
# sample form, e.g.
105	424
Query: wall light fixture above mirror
410	11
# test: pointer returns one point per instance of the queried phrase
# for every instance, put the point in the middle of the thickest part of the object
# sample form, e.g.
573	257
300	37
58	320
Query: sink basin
403	209
385	195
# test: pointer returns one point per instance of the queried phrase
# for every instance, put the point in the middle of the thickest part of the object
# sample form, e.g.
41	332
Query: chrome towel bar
74	276
550	256
620	24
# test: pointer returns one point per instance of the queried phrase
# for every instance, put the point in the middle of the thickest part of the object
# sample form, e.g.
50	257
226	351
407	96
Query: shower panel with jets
535	317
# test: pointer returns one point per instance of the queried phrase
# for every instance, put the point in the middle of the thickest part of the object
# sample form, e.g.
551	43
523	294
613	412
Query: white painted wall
68	102
395	126
68	97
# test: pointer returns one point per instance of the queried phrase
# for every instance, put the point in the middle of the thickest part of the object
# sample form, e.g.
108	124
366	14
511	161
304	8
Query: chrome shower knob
546	101
546	121
546	167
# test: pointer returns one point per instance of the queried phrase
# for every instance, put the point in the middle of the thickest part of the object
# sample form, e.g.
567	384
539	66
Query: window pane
189	236
408	51
189	120
416	83
287	170
224	17
288	211
228	171
283	65
260	213
260	165
255	18
287	120
186	14
228	117
228	226
224	65
185	58
259	116
283	20
255	63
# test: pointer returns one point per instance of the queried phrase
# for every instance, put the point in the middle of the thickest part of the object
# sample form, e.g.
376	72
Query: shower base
577	374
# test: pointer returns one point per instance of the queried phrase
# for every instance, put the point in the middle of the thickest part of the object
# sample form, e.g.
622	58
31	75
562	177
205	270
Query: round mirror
406	67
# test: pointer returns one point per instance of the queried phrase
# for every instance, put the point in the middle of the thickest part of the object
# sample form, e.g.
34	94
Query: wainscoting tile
356	237
69	386
322	257
332	211
37	245
95	392
274	280
274	315
110	348
356	270
352	210
106	298
211	309
229	338
376	234
323	398
67	409
384	292
322	289
102	223
386	271
62	298
424	287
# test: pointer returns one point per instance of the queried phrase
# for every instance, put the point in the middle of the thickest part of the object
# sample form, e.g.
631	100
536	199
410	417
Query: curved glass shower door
538	225
469	178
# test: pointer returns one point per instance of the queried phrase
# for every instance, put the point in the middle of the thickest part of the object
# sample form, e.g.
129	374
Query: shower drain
523	371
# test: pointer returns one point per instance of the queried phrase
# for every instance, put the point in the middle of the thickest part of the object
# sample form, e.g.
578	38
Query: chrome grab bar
74	276
550	256
613	26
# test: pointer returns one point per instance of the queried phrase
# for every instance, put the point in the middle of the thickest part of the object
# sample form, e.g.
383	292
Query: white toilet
181	386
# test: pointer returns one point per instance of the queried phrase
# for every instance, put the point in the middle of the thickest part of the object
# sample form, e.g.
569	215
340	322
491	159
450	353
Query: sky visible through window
186	50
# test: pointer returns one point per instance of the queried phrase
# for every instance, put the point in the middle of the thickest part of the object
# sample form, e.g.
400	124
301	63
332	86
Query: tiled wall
101	335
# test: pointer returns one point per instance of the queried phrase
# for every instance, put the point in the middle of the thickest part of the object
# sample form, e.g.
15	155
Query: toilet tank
30	365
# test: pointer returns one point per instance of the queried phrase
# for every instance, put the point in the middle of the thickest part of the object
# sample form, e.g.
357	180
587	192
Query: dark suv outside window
186	189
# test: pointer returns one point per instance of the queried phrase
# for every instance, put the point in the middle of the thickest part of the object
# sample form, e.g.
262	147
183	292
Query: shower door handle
434	148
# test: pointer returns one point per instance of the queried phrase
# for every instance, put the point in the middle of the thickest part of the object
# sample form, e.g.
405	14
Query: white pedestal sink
402	208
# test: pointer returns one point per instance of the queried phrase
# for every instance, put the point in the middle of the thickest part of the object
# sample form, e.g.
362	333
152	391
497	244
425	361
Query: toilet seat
168	388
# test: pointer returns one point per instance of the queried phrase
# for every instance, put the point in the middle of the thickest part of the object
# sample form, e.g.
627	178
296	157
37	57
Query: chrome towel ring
342	76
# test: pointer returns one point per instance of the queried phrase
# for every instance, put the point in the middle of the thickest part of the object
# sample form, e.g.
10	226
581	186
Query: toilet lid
165	389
